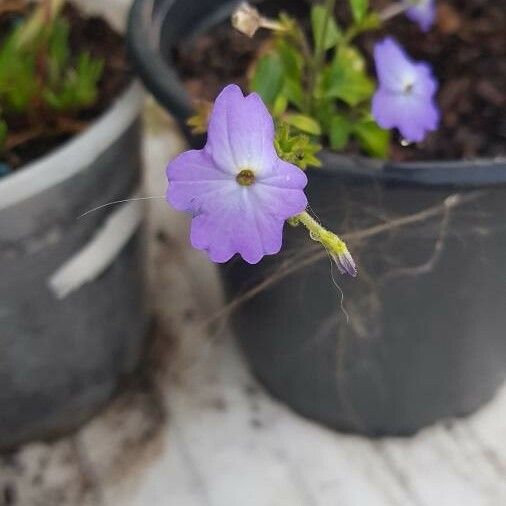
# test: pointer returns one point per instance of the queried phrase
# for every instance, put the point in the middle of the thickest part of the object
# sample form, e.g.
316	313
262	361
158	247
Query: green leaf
291	59
370	22
373	140
267	79
58	50
359	9
297	148
346	78
304	123
280	105
339	133
320	18
294	92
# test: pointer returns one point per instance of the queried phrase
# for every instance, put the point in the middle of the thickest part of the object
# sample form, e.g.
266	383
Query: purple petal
249	221
286	175
404	99
241	132
394	68
238	225
230	216
423	14
412	115
345	263
192	178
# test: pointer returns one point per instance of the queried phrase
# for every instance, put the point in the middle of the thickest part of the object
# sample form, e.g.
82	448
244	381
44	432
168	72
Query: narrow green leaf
304	123
359	9
280	105
373	140
318	19
267	79
294	92
339	132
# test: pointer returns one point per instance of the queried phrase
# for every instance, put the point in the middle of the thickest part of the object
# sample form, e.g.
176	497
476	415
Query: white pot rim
75	155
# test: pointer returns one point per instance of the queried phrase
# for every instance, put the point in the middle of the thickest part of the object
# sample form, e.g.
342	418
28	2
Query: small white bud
246	19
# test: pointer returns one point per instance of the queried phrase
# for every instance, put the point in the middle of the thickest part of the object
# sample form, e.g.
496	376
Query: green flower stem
319	54
320	234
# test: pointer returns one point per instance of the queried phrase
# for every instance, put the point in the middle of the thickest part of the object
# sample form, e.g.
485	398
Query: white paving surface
229	444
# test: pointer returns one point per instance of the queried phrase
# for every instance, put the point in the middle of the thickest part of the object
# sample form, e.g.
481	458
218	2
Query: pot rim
160	77
75	155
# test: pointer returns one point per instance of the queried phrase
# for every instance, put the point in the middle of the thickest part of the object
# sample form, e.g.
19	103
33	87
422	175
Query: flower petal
412	115
237	225
193	176
286	175
423	14
393	66
241	133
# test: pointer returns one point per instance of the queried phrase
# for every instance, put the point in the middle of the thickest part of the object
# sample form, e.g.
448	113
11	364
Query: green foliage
359	9
346	78
268	78
373	139
303	123
339	132
17	77
296	148
321	91
320	22
78	87
39	76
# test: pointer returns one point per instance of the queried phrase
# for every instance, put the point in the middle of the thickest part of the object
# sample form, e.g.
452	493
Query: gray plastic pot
72	316
426	337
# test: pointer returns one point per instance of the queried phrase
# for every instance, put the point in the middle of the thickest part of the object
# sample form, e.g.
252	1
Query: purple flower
422	12
238	190
405	96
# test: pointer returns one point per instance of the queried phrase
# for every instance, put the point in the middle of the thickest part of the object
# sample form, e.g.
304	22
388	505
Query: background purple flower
238	190
422	13
405	96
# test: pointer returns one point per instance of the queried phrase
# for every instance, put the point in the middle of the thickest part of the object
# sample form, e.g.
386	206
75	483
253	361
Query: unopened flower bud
246	19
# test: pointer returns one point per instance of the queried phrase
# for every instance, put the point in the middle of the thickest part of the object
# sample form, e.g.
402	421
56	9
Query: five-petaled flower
405	96
237	189
422	12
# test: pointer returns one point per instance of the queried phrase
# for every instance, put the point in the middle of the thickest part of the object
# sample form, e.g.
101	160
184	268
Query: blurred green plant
39	77
324	80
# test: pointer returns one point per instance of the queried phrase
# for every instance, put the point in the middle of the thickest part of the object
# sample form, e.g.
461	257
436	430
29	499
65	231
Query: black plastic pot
72	308
426	336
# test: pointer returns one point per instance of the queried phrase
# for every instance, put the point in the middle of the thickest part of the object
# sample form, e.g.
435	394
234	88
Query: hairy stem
317	232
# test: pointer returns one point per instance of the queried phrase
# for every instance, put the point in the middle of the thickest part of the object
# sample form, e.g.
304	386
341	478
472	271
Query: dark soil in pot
27	142
418	336
466	49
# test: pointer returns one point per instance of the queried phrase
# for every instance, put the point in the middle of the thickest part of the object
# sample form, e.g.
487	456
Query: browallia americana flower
422	12
405	96
238	190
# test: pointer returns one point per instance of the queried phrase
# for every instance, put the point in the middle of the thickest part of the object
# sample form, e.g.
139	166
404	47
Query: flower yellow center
246	177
